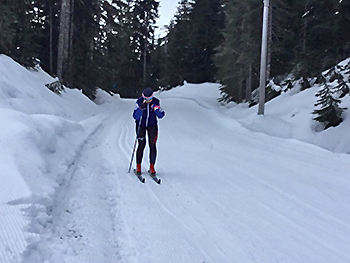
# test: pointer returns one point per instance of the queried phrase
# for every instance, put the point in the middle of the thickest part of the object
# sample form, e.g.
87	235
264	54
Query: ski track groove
123	146
197	238
294	200
156	204
298	201
301	228
290	199
63	198
190	234
13	191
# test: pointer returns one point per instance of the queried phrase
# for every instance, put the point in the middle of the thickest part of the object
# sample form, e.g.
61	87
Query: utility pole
263	58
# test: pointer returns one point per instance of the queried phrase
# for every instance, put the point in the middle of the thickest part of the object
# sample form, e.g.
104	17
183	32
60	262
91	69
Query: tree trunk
66	35
51	36
241	79
62	54
304	31
70	61
269	44
248	93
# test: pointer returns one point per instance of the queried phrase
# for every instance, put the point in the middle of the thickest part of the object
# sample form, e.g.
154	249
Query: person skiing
147	109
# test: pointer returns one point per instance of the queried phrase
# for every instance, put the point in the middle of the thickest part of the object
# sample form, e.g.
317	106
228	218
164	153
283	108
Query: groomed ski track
227	195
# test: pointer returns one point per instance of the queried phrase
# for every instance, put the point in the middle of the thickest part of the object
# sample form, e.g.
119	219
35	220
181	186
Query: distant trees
85	43
306	37
239	55
111	44
177	46
193	37
20	24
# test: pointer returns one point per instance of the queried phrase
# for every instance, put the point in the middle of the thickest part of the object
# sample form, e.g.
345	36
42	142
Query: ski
139	176
154	177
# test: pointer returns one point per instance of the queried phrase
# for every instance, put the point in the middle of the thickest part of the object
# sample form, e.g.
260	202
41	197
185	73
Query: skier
147	108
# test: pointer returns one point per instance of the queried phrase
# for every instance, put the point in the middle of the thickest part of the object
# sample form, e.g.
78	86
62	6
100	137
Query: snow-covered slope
290	116
39	136
236	187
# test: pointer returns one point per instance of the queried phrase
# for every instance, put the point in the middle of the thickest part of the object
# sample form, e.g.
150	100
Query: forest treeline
112	44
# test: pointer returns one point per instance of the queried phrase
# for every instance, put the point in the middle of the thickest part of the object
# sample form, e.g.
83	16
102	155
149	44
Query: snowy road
227	195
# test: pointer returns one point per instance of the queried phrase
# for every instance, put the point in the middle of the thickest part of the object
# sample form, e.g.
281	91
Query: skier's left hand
155	107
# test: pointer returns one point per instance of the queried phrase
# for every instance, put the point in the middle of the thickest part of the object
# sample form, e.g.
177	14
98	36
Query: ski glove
158	111
143	106
155	107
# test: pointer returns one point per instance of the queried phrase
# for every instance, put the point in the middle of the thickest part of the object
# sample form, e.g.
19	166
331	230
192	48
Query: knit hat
147	94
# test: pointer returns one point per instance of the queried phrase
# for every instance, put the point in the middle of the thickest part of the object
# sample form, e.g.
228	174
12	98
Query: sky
167	10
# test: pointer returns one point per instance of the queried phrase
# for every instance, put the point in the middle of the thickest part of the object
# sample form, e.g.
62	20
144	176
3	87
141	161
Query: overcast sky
167	11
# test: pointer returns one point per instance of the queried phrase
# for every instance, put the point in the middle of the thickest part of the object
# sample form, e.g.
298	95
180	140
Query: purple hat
147	94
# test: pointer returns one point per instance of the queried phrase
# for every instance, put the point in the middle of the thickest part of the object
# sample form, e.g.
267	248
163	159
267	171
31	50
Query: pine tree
7	30
330	113
144	16
19	31
207	20
238	56
177	46
86	28
193	38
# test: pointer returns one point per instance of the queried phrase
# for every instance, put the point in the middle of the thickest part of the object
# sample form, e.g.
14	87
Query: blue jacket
150	114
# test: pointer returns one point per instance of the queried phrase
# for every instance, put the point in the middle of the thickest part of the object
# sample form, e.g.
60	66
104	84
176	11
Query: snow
236	187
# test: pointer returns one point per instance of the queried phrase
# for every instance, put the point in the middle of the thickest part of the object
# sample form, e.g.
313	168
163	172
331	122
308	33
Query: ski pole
137	136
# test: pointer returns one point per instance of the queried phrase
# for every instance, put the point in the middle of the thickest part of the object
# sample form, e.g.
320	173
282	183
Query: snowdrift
290	116
38	142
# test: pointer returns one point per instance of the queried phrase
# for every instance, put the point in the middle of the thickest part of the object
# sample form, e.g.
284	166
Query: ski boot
151	170
138	169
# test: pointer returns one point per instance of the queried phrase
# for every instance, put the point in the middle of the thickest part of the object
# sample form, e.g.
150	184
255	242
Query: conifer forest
112	45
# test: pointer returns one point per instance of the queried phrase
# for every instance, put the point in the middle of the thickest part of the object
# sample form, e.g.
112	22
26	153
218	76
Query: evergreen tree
21	24
49	15
177	46
238	56
114	54
144	16
86	29
7	30
207	20
320	33
330	113
193	37
284	36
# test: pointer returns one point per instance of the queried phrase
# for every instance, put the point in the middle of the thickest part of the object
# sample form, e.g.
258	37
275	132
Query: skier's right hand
143	106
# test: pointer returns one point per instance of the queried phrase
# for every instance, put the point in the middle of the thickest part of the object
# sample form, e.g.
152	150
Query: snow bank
38	143
287	116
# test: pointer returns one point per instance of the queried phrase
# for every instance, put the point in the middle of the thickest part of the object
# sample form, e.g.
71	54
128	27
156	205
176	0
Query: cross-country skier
147	107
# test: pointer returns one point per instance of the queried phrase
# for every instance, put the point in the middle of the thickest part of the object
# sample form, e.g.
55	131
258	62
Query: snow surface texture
236	187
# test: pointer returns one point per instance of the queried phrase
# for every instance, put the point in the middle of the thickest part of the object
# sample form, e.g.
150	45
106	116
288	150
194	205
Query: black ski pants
152	133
